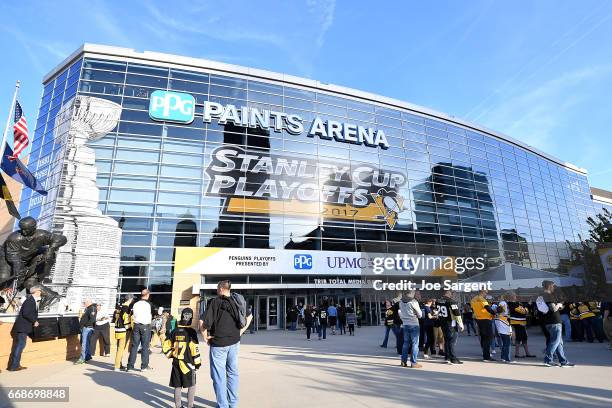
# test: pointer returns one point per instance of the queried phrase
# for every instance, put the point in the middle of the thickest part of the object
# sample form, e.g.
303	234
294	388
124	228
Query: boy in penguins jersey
181	345
518	320
450	319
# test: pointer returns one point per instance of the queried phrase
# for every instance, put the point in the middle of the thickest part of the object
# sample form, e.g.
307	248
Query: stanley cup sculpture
88	265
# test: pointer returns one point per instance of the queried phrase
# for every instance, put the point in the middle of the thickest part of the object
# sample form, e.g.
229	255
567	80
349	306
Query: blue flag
17	170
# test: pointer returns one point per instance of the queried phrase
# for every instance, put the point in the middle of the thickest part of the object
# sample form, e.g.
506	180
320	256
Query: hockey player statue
26	259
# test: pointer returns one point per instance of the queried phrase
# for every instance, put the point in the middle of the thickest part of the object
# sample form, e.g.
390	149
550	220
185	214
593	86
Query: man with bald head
141	335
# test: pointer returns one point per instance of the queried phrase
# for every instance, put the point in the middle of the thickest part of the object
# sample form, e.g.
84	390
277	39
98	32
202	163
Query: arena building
287	186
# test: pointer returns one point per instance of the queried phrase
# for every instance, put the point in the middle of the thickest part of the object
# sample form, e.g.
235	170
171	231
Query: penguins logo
390	204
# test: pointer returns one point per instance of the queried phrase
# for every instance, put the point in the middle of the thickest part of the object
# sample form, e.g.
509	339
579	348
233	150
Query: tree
586	253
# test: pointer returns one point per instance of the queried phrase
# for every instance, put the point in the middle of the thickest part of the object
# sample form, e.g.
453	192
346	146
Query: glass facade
467	193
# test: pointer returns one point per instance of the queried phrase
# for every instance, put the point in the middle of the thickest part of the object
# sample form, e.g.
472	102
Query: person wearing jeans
555	345
19	341
567	324
86	333
503	326
411	341
410	313
224	374
221	329
142	313
88	319
141	335
24	325
549	307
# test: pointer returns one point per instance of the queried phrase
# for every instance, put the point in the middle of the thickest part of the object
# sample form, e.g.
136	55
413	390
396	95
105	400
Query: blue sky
540	71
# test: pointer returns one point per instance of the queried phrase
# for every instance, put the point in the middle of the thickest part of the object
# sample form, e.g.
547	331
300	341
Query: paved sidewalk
282	369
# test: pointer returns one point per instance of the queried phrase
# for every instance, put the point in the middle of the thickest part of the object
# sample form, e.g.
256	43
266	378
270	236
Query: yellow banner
371	213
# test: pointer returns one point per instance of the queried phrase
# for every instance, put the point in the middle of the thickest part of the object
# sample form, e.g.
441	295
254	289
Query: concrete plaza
282	369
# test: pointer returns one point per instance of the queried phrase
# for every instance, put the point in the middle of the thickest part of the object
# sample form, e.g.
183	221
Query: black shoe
381	346
456	362
404	364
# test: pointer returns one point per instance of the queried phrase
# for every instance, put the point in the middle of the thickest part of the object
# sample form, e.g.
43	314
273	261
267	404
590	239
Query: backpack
119	323
157	323
241	305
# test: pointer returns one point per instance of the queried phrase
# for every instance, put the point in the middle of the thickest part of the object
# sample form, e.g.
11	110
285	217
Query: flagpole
8	121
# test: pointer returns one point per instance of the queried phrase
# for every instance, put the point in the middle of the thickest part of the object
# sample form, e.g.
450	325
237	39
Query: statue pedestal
88	266
38	352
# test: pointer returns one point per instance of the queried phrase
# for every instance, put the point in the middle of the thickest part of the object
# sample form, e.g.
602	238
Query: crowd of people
423	328
429	327
139	326
318	318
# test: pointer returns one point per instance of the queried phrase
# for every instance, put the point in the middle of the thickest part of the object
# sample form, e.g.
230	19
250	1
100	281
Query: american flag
20	132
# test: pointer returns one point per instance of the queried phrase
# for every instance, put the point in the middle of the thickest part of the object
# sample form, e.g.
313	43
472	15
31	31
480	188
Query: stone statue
26	259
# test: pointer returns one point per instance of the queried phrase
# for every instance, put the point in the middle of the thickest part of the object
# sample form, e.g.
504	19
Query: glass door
272	322
262	313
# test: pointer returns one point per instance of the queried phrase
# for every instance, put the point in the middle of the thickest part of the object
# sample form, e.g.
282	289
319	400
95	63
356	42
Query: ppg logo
302	261
172	106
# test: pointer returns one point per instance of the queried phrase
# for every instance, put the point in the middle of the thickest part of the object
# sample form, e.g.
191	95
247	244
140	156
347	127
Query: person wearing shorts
518	319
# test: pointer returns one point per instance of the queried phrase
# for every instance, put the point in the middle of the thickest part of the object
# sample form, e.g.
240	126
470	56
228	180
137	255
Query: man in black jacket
88	319
23	327
221	330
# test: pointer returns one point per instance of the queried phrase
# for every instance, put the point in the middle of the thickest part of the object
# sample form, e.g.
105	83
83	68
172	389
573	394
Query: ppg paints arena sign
257	182
180	107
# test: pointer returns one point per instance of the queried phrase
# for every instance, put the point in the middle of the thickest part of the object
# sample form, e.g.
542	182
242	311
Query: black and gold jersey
182	347
518	313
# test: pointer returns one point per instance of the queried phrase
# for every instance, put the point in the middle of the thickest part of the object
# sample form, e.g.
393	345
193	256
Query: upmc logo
302	261
172	106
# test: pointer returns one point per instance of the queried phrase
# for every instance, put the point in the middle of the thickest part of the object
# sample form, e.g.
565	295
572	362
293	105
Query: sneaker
426	356
549	364
117	370
148	368
489	359
381	346
530	355
79	361
416	365
568	365
404	364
